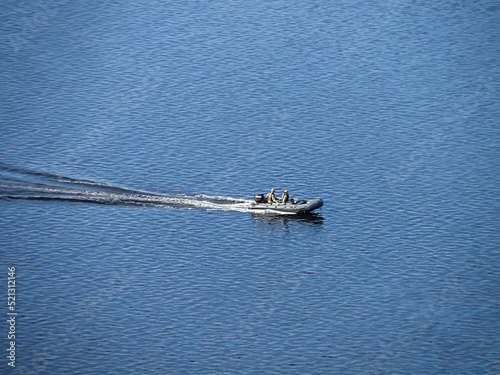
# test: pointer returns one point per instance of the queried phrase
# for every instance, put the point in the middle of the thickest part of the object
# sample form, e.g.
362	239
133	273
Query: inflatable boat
292	207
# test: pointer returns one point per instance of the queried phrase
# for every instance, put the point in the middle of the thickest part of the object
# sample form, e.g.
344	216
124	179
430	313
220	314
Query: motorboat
294	206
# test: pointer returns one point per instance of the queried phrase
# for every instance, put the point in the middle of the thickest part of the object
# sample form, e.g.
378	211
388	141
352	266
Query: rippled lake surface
134	134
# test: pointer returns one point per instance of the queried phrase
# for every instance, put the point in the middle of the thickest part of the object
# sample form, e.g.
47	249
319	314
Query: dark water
133	135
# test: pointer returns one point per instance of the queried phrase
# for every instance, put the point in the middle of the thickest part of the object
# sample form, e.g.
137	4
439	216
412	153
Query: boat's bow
310	205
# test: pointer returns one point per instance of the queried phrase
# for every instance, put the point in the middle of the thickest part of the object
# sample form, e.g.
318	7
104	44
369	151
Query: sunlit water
133	137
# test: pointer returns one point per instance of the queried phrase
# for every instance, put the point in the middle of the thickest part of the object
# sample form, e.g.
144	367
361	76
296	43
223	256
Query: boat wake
28	185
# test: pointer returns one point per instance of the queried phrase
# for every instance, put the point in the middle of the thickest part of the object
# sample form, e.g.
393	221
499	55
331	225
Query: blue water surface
133	133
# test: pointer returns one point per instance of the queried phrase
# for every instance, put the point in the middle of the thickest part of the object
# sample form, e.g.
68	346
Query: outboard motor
260	198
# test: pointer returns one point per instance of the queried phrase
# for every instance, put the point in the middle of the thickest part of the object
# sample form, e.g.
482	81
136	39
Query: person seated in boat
285	197
271	198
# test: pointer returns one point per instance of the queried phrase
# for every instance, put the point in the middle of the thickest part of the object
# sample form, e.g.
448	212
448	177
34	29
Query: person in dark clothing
285	197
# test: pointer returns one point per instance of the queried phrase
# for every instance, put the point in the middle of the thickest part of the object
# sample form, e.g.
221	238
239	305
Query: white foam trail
217	197
201	201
